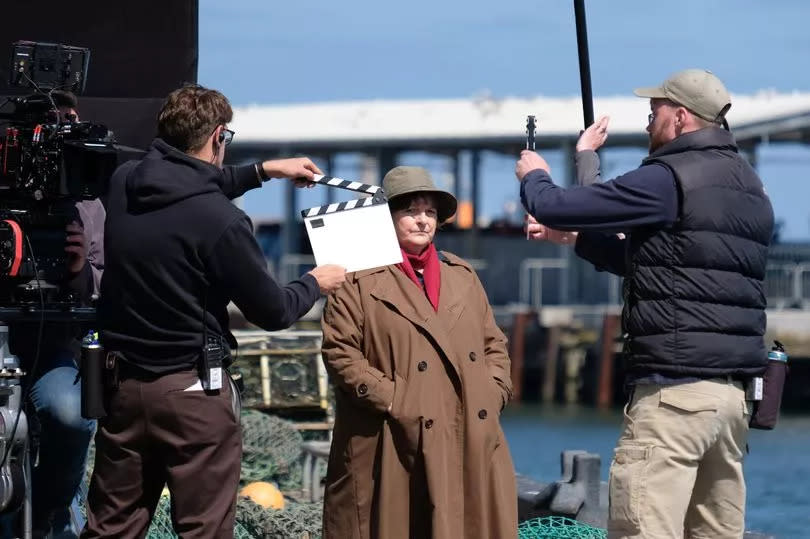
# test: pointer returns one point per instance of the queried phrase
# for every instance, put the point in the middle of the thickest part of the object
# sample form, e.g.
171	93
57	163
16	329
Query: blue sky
257	51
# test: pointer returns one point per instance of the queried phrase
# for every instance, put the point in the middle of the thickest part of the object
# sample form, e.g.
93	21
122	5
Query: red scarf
428	261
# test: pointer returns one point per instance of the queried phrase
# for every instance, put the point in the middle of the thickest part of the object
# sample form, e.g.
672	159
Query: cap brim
446	203
651	92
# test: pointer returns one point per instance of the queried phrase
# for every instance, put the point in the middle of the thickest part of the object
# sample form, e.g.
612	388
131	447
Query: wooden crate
282	369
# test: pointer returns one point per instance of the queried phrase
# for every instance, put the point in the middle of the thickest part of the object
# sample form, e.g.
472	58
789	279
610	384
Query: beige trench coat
438	465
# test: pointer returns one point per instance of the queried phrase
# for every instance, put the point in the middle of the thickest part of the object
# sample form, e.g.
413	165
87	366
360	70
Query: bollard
579	494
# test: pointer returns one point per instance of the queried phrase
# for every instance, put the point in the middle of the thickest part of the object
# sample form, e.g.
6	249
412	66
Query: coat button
428	423
362	389
472	356
482	414
422	366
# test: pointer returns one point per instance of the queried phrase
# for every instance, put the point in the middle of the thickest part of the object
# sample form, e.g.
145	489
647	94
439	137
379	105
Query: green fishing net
554	527
271	450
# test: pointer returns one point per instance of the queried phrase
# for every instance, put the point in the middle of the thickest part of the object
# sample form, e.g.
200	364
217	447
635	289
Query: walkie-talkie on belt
213	359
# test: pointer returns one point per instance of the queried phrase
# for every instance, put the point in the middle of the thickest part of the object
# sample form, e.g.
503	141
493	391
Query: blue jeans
64	439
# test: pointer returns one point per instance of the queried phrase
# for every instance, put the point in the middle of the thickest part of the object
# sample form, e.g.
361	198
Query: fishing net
271	450
554	527
295	521
161	527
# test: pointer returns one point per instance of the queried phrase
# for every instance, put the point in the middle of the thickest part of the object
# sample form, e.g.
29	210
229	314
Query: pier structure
560	314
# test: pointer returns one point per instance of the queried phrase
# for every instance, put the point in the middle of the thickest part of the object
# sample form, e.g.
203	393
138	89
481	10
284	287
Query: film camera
47	163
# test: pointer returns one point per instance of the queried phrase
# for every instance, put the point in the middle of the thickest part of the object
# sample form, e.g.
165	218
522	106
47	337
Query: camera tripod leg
27	531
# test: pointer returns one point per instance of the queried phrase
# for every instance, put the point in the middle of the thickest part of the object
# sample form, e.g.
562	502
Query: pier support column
604	388
475	198
290	240
329	194
386	160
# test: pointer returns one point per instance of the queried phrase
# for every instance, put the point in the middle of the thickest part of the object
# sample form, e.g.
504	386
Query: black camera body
46	166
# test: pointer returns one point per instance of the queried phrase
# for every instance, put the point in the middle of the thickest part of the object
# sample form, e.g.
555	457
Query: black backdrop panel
139	52
134	121
137	49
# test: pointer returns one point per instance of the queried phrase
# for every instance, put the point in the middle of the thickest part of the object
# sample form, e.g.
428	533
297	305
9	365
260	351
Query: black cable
27	388
46	94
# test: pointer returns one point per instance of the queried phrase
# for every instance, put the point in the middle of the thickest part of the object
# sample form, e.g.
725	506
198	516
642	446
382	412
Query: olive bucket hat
402	181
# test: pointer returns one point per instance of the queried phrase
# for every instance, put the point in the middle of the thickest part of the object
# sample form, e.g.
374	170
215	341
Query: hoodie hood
166	176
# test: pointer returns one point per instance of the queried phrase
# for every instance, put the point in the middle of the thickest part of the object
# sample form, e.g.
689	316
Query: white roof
478	118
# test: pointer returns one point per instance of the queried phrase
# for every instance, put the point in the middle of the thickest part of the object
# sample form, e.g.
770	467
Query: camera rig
47	163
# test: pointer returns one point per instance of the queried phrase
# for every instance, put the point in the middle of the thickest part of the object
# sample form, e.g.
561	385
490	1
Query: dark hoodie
175	246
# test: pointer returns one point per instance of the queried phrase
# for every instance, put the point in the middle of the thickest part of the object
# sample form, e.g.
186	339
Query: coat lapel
390	288
451	300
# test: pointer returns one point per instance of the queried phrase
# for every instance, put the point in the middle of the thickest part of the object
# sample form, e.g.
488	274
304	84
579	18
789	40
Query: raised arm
586	159
237	180
646	196
239	268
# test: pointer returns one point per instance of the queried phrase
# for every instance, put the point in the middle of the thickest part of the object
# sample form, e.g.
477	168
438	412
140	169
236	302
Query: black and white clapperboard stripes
375	192
356	234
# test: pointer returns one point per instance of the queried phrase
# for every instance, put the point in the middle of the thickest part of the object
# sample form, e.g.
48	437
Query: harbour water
777	468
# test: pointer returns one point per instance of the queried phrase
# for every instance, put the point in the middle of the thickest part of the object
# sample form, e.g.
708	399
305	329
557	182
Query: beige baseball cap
699	90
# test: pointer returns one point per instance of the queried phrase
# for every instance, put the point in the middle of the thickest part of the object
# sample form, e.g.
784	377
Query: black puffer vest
695	303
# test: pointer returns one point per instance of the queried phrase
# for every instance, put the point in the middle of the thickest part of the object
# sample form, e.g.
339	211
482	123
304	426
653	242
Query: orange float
265	494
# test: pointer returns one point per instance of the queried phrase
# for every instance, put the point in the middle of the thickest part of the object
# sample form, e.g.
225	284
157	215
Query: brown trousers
164	430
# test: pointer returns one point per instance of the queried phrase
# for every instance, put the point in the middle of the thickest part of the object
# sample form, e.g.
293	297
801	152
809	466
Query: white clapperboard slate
357	234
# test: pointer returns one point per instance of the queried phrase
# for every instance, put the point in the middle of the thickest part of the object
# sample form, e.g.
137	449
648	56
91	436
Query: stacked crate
282	370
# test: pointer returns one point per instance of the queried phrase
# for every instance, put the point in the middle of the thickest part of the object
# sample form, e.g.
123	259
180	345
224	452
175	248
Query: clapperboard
356	234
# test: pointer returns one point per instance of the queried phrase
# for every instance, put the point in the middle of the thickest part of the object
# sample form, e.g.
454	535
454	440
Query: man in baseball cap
698	92
694	224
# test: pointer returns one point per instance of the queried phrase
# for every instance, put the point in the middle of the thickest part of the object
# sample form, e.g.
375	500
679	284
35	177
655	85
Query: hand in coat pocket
406	431
406	434
497	397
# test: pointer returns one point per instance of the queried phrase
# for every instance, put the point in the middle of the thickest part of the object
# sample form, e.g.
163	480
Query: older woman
421	374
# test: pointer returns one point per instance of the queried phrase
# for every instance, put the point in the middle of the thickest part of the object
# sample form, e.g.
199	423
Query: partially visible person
421	374
67	104
689	231
55	391
178	251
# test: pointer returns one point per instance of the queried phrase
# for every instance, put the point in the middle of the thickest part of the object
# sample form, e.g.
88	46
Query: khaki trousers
677	469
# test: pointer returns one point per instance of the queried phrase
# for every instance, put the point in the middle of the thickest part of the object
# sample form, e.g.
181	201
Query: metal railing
615	290
290	266
787	285
531	280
